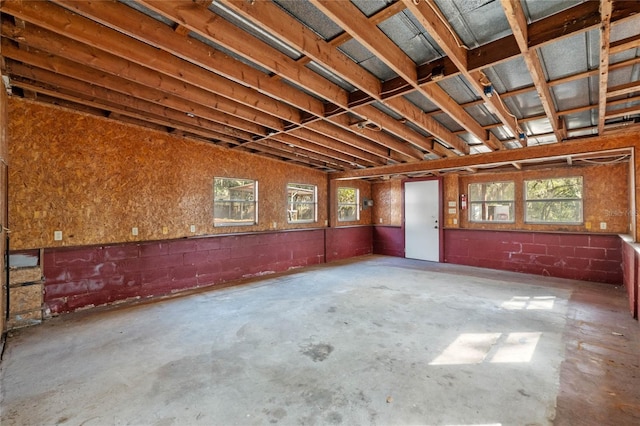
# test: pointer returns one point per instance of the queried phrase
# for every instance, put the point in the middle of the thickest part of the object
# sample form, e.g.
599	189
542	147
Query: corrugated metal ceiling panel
309	15
362	56
421	101
536	9
405	33
477	22
566	57
573	94
510	75
458	88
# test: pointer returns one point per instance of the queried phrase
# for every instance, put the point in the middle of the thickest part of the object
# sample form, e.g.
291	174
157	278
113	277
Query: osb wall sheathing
4	160
95	179
605	197
387	202
451	200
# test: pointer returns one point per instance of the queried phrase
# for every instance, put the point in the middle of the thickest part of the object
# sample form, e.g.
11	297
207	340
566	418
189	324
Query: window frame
527	200
484	203
254	202
314	204
355	204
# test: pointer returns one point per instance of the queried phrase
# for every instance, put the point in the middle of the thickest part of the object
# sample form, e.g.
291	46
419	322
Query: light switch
134	231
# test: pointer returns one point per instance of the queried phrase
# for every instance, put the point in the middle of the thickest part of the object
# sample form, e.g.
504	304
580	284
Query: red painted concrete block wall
590	257
388	240
346	242
92	276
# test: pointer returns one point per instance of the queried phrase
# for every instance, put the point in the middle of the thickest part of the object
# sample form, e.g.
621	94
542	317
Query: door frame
440	215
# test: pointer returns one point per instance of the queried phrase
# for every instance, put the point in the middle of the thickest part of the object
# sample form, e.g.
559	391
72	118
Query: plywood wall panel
4	225
95	179
387	199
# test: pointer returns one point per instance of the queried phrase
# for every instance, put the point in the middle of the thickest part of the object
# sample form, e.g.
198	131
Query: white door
421	226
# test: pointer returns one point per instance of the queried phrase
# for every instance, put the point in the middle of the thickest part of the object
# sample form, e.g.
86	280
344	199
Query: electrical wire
435	10
617	160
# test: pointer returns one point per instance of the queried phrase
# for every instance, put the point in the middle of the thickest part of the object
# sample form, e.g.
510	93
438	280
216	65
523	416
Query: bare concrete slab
375	340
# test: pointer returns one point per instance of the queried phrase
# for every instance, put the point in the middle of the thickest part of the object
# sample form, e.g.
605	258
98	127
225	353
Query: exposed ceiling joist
333	85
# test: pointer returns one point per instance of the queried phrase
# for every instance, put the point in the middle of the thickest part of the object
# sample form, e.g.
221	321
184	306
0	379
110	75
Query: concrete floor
374	340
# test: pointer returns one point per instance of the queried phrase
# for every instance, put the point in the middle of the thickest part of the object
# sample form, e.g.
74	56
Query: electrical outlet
455	221
165	230
192	228
134	231
603	225
380	220
57	235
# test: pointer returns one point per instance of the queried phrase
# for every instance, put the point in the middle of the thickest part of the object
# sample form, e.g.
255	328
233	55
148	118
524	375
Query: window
348	202
235	202
491	202
557	200
301	203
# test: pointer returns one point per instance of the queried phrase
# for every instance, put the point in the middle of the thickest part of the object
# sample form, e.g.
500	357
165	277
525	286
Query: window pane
492	191
348	208
491	202
554	211
557	200
234	202
301	203
559	188
347	195
347	213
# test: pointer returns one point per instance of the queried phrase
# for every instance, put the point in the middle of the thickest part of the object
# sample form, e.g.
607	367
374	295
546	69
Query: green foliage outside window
557	200
348	199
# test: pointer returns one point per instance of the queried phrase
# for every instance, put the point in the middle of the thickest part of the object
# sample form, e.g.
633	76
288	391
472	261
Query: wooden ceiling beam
272	18
430	17
300	154
296	143
399	129
619	113
303	158
315	138
354	22
606	8
623	45
79	53
611	141
416	115
63	66
349	17
92	92
57	19
334	131
623	89
518	22
376	135
211	26
577	19
57	93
